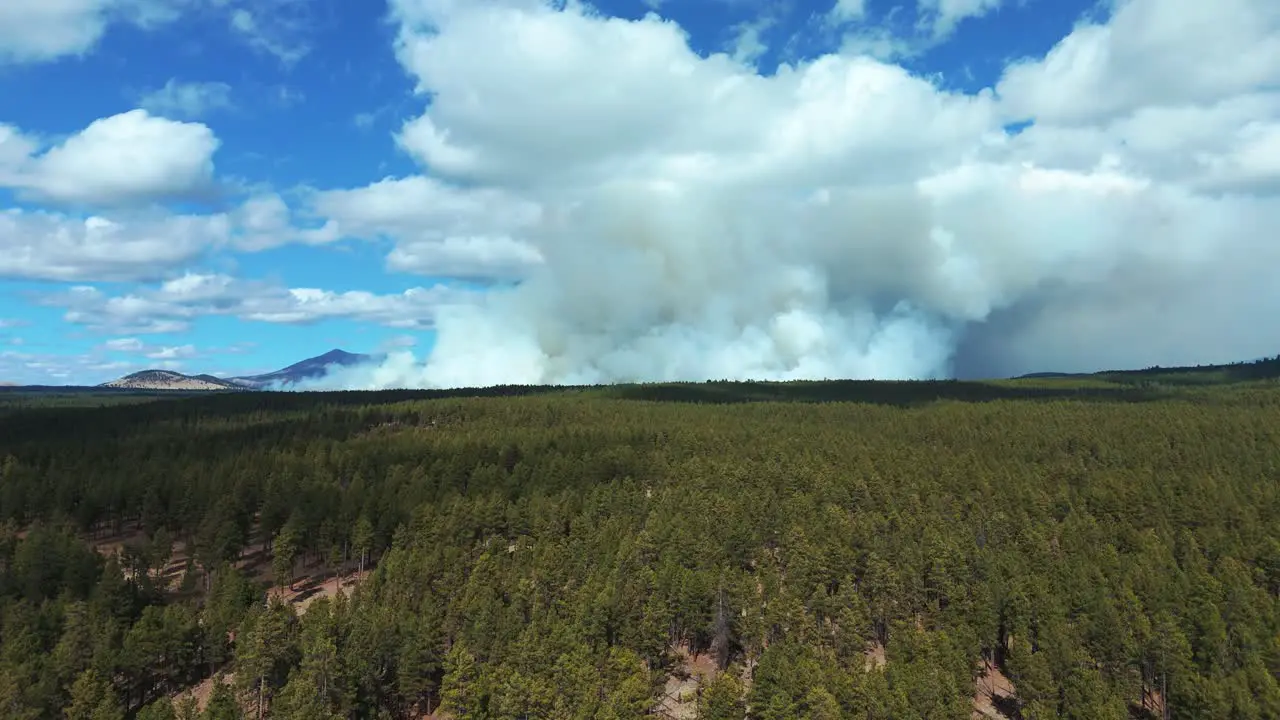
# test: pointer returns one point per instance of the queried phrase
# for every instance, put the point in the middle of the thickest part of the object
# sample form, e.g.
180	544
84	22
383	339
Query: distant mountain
170	380
1044	375
309	369
1261	369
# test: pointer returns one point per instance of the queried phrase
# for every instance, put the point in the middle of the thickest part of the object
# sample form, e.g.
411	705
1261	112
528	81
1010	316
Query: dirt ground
875	657
994	695
680	694
204	690
313	587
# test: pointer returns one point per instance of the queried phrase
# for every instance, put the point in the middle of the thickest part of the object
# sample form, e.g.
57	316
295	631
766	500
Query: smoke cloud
843	218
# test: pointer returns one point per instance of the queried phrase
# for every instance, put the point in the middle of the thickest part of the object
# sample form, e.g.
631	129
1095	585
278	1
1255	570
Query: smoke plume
843	218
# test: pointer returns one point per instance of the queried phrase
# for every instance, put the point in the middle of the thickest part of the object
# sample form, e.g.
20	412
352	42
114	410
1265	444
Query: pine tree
362	539
462	692
721	699
93	699
264	653
161	709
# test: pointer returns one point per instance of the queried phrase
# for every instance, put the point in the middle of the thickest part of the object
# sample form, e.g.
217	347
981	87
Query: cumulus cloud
265	221
141	246
129	158
439	230
471	258
44	245
187	99
1150	54
843	217
175	304
38	30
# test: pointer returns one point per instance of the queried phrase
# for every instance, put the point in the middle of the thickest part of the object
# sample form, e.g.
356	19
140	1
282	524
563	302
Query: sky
525	191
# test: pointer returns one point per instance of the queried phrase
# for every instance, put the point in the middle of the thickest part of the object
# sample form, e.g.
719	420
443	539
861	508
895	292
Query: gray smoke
840	219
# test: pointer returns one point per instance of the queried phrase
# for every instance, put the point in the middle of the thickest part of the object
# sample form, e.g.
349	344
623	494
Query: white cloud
475	258
172	352
411	205
74	368
609	98
944	15
841	217
31	31
187	99
175	304
266	221
135	346
52	246
41	30
438	229
276	27
141	245
748	44
1151	53
847	10
132	157
124	345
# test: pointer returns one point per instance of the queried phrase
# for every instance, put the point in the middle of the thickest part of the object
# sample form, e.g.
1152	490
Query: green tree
721	699
462	692
362	540
93	699
161	709
265	653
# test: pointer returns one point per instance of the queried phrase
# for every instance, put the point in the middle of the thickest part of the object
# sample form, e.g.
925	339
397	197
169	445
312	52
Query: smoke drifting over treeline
843	218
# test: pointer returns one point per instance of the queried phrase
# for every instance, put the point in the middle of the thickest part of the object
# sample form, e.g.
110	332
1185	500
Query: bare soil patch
680	693
874	657
994	696
204	690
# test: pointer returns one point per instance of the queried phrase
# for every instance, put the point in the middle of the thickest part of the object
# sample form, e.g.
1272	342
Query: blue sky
296	109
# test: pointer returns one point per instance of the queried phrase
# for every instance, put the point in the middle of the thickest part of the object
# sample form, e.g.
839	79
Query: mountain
170	380
309	369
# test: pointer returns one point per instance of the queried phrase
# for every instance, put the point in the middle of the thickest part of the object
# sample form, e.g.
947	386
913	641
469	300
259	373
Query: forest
1044	548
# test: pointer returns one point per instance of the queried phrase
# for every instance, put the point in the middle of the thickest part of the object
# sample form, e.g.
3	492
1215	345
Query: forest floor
202	692
994	697
680	693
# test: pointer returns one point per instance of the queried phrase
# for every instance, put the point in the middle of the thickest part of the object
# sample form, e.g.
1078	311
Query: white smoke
840	219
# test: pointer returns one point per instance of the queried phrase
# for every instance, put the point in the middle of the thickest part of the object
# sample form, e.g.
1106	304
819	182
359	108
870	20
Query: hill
169	380
1262	369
